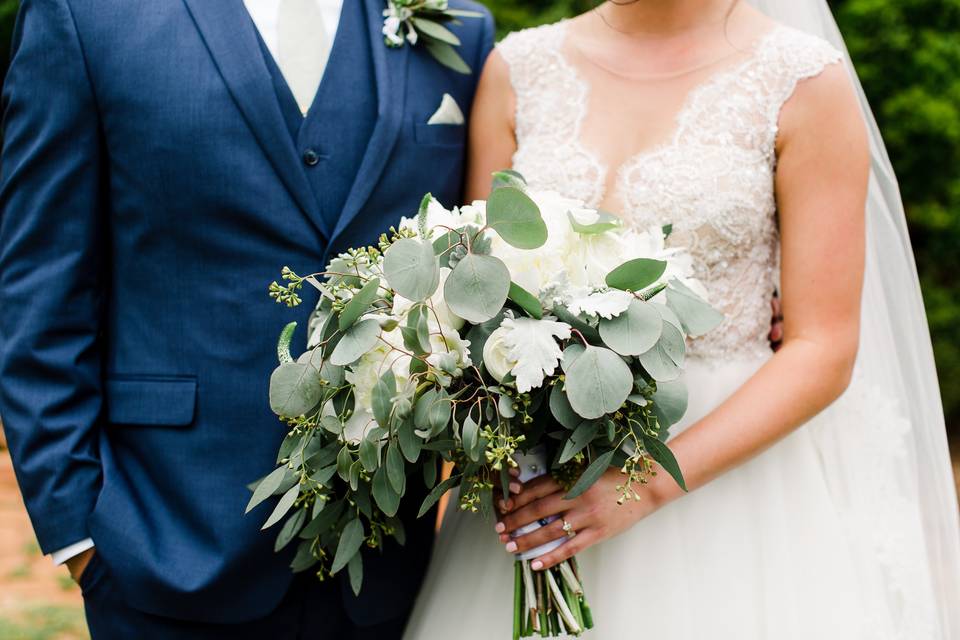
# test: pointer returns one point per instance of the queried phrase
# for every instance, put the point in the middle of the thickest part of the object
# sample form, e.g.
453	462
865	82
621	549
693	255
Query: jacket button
311	158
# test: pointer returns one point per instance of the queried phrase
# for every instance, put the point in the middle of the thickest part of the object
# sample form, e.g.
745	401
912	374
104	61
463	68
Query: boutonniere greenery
422	21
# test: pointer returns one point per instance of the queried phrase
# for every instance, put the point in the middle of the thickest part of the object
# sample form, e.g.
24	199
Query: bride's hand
594	516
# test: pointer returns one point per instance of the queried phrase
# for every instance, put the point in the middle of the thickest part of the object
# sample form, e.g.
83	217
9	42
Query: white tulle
847	528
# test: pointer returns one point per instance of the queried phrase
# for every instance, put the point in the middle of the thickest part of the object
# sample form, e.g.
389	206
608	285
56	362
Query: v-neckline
672	139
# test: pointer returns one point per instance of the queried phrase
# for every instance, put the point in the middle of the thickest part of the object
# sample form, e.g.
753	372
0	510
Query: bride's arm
492	142
823	168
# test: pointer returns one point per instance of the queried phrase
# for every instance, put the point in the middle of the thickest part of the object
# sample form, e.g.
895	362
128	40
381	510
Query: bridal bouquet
526	328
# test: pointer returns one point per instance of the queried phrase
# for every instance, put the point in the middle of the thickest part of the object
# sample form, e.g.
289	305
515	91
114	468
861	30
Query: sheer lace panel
713	180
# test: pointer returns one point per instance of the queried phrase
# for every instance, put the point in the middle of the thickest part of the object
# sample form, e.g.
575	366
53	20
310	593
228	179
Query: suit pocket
151	401
448	135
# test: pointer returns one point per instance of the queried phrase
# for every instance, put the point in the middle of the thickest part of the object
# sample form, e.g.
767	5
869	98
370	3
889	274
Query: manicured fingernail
500	528
511	547
514	472
515	487
536	565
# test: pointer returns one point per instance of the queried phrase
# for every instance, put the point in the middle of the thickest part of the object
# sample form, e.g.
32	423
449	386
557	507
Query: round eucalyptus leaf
634	331
664	359
356	341
637	274
295	388
411	268
598	382
477	288
697	316
573	351
516	217
670	402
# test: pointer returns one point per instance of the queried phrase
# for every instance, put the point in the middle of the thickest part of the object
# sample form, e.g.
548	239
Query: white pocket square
448	113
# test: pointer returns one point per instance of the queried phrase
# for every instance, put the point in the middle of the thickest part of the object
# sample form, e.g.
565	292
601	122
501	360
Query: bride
821	501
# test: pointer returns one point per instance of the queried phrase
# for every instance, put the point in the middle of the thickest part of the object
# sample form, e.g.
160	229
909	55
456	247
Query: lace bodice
713	180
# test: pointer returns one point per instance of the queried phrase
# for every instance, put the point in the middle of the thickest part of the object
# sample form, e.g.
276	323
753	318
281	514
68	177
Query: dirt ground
39	601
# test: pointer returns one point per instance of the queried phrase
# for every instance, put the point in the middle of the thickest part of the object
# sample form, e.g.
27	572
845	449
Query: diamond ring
568	529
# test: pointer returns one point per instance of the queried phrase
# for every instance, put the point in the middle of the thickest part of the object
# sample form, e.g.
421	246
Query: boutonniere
415	21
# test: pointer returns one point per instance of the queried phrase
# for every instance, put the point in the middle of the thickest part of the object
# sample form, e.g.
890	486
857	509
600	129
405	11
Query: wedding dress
791	545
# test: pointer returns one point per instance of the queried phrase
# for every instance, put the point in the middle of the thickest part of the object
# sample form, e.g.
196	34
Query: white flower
440	220
449	352
365	372
527	348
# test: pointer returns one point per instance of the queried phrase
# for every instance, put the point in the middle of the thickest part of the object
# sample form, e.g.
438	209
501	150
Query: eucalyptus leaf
382	397
447	55
598	382
697	316
430	471
561	410
304	558
665	458
634	331
636	274
670	402
323	520
283	506
369	455
436	493
350	541
387	498
581	437
477	287
266	487
355	572
516	217
525	300
590	475
664	360
433	412
396	470
290	529
471	438
358	304
410	442
412	269
572	351
435	30
508	178
295	389
355	342
604	222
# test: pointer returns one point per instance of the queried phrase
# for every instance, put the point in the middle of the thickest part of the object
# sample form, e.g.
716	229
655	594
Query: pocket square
448	113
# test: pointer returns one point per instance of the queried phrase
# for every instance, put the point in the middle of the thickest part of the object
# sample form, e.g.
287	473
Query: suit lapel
230	36
390	69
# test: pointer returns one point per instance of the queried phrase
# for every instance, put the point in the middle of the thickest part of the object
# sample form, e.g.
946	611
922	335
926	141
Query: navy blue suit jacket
150	192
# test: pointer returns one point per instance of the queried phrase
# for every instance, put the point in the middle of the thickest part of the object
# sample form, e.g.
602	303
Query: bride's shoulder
796	53
532	43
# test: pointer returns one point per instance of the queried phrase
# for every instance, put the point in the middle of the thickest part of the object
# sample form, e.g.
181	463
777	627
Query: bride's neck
664	17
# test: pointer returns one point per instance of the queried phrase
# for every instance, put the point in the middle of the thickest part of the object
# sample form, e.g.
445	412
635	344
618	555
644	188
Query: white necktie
304	48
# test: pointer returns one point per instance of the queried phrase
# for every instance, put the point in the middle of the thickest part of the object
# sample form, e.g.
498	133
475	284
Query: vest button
311	158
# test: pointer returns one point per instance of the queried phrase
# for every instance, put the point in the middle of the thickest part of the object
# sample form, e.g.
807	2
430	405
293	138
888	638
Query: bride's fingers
547	533
567	550
529	492
550	505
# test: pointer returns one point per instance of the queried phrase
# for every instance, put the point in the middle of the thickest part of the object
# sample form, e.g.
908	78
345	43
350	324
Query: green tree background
908	55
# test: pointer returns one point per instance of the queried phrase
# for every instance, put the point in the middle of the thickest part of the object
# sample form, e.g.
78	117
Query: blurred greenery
908	55
44	623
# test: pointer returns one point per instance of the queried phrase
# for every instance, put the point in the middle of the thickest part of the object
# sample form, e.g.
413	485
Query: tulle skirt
808	540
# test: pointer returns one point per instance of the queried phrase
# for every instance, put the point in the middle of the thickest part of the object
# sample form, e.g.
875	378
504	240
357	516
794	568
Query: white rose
496	355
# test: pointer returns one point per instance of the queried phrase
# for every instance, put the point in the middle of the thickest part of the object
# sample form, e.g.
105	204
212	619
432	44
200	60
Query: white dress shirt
265	14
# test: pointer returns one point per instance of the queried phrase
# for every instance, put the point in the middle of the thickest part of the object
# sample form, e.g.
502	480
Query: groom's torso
211	186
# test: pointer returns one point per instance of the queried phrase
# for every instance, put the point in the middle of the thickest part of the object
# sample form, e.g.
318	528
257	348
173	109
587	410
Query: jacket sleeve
52	277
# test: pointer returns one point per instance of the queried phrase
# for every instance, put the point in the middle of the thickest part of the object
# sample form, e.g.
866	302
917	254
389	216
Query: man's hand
78	564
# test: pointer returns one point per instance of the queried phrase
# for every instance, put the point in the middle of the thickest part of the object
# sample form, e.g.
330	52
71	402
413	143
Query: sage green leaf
290	529
369	455
436	494
383	492
382	397
410	442
430	471
446	55
355	571
636	274
664	360
581	437
350	540
355	342
697	316
283	343
331	424
525	300
295	389
282	507
516	217
435	30
324	475
508	178
670	402
416	332
358	304
471	439
665	458
396	470
590	475
432	412
411	268
573	351
477	288
266	487
634	331
604	222
304	558
561	410
344	462
598	382
323	520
